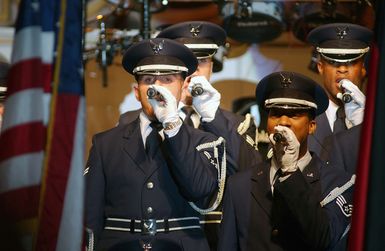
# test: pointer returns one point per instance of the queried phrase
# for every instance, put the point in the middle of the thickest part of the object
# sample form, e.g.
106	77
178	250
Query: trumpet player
142	177
342	48
292	201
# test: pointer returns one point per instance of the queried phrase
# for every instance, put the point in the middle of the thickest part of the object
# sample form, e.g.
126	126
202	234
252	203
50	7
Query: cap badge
286	81
342	32
157	47
195	30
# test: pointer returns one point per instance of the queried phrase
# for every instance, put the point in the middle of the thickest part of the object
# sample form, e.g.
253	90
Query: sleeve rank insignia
347	209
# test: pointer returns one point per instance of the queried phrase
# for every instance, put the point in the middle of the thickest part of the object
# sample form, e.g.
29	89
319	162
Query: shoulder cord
243	126
91	241
221	174
242	129
338	191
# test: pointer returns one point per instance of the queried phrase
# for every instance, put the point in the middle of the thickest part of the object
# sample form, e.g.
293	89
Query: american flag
42	137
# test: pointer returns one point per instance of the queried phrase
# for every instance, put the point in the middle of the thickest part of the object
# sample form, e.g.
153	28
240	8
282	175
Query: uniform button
150	185
274	232
149	210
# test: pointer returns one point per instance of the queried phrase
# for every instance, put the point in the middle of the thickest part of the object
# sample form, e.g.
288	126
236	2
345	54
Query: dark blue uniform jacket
117	177
292	219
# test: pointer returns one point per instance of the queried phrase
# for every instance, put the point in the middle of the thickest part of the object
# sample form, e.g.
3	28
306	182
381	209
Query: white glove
287	150
165	109
208	102
354	110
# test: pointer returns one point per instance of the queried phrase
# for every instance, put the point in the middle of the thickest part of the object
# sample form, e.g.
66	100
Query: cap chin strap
338	51
157	73
202	46
206	56
159	69
342	60
342	51
197	49
289	103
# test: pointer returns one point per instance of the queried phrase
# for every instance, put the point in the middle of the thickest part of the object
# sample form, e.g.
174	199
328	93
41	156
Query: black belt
151	226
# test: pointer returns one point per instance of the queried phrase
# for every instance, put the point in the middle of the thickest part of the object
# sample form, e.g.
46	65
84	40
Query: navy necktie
188	110
277	175
153	140
339	124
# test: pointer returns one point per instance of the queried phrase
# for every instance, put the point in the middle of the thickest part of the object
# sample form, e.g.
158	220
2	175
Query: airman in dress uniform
293	201
144	178
200	104
342	48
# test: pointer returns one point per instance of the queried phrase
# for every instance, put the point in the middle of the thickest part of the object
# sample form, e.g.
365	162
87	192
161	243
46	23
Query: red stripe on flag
31	73
357	234
20	204
22	139
58	170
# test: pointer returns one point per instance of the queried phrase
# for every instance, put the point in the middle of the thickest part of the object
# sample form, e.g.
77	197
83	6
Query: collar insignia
342	32
157	47
195	30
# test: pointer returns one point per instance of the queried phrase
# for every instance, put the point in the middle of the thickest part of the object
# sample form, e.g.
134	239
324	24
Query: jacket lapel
311	171
316	140
323	126
133	145
260	187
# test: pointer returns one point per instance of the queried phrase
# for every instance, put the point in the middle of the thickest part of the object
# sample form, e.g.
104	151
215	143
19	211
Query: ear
136	91
320	67
211	69
312	126
363	70
186	82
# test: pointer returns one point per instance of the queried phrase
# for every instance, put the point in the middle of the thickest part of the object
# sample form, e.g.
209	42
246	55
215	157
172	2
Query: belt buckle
149	227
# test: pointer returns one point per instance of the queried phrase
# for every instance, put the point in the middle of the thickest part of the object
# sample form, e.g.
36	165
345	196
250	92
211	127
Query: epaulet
244	126
220	164
263	137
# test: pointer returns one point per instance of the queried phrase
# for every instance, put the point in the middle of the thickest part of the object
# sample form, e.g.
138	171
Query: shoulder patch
347	209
